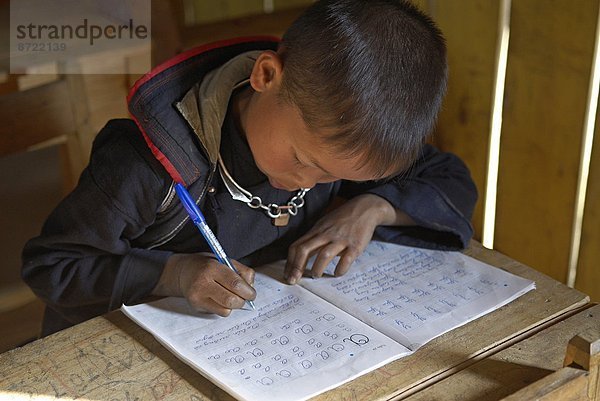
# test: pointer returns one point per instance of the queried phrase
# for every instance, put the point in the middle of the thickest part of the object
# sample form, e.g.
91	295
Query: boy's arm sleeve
83	264
437	193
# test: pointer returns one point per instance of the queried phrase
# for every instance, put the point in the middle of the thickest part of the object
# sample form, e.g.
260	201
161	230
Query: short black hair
373	72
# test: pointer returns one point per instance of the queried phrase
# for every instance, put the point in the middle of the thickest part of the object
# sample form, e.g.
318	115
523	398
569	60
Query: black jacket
108	241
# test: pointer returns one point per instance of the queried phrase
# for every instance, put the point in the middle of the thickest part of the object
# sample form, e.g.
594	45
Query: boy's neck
240	100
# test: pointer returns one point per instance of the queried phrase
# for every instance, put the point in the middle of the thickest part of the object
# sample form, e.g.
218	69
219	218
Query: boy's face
283	147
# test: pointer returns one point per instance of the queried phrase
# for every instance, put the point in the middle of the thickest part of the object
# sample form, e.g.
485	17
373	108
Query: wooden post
578	380
583	352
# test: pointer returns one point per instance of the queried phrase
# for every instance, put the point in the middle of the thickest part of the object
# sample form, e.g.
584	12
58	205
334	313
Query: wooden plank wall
588	269
464	122
547	81
211	11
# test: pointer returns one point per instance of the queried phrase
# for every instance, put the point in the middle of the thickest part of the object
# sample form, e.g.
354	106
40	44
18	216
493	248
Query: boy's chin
276	184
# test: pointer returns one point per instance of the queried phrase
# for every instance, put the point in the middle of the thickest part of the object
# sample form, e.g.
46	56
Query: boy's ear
267	71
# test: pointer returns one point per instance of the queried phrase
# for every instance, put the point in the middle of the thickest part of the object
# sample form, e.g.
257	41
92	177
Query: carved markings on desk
103	363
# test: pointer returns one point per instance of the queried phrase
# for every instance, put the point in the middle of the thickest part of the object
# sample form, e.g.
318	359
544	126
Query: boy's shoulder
116	130
120	147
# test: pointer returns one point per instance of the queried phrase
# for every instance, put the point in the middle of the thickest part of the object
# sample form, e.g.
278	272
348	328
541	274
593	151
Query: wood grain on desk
514	368
111	358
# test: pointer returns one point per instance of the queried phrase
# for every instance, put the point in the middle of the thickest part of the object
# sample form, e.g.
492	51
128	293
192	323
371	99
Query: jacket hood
167	107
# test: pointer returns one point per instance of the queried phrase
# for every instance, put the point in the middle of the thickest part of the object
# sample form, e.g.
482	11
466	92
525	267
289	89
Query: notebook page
293	347
414	295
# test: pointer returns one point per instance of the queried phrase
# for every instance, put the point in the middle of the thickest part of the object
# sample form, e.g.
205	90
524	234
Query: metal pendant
282	220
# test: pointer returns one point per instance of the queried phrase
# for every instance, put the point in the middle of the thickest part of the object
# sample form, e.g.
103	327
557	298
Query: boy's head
367	77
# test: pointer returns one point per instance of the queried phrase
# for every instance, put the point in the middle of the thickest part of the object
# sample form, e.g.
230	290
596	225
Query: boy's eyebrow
317	165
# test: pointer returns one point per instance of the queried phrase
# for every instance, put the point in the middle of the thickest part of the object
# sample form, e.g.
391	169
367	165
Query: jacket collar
205	105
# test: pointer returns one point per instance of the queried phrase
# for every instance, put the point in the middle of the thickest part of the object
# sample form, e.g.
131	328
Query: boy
264	135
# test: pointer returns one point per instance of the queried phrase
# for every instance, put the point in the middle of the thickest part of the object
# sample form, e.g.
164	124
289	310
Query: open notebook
305	339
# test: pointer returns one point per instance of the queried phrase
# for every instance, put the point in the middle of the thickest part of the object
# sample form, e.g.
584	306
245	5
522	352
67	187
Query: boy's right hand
206	284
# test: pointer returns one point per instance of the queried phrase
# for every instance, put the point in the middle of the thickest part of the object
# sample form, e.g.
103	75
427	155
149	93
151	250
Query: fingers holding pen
220	290
209	286
241	284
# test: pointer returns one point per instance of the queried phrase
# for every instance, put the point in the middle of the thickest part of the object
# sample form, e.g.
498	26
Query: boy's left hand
345	231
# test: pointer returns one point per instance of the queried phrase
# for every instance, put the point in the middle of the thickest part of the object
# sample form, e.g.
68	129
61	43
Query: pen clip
188	203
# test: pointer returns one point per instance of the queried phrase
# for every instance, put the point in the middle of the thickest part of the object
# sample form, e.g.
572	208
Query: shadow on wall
31	186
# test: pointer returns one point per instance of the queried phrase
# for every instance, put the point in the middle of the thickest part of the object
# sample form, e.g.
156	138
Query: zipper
168	199
169	236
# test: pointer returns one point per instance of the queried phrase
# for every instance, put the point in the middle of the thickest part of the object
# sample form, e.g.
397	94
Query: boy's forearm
386	214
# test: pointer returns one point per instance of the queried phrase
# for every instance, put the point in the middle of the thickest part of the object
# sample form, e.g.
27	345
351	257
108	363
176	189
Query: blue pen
200	222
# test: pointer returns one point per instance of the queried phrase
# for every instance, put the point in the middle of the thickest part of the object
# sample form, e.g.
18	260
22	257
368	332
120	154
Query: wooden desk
111	358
